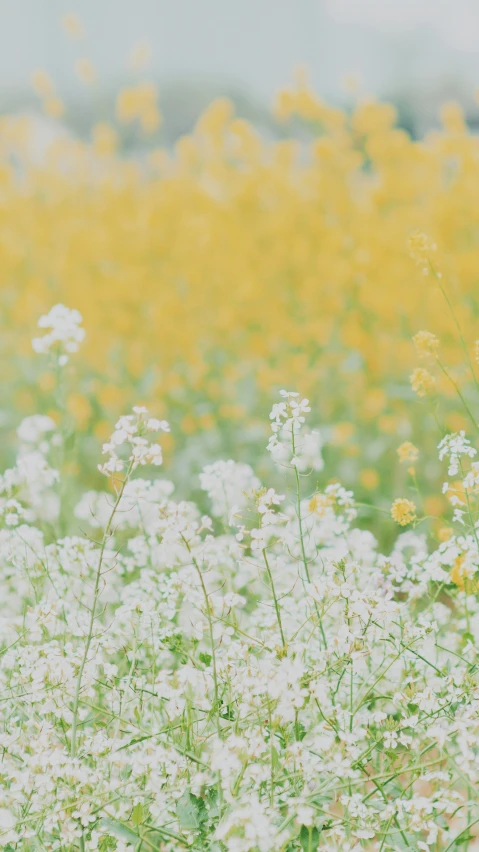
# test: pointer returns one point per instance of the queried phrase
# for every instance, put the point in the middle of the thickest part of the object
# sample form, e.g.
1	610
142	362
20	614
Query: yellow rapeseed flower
422	382
369	478
235	263
403	511
138	102
73	26
105	138
54	106
426	344
42	83
445	533
407	452
85	70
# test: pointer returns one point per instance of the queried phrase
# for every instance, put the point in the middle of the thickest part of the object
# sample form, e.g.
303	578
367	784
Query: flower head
422	382
403	511
426	344
63	333
73	26
407	452
420	247
85	70
131	439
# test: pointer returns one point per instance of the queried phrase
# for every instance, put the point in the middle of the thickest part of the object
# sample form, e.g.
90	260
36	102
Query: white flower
7	819
454	446
128	447
64	333
287	419
228	485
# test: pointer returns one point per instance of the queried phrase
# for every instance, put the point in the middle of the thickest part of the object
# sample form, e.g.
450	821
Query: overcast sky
251	43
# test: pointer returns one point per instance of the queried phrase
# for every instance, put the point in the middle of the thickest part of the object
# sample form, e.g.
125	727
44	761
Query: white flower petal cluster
64	333
131	436
228	484
454	447
289	444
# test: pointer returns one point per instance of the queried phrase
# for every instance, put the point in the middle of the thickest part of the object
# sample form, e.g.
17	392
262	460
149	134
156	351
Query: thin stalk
96	594
456	321
301	537
459	393
276	605
210	626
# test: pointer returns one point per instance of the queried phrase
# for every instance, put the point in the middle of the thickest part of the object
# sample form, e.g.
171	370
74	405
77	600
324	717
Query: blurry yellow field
213	275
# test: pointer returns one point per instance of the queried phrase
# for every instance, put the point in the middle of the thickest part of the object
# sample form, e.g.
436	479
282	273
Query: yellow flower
231	264
422	382
369	478
457	571
452	116
426	344
85	70
73	26
105	139
138	102
403	511
54	106
79	406
407	452
434	505
150	120
42	83
445	533
342	432
319	504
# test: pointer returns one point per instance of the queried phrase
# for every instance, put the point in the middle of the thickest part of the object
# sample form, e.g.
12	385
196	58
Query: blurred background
414	53
240	261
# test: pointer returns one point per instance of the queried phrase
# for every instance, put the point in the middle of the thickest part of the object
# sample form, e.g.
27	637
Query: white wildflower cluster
228	485
131	437
265	682
454	447
288	443
64	333
457	449
27	491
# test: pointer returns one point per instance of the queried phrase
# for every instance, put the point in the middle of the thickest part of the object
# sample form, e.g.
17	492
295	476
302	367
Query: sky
250	44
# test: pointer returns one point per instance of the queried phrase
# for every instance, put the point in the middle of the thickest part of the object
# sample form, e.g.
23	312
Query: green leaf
227	712
309	838
211	798
205	658
69	441
121	832
191	811
275	761
137	815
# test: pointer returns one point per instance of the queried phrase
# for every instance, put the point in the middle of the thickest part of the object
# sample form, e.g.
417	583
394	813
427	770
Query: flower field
211	276
235	617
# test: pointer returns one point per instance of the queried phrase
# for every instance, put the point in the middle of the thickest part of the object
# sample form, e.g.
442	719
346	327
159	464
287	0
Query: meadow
239	544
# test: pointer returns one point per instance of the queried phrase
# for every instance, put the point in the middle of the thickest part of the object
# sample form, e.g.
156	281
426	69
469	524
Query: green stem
301	537
276	605
96	594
